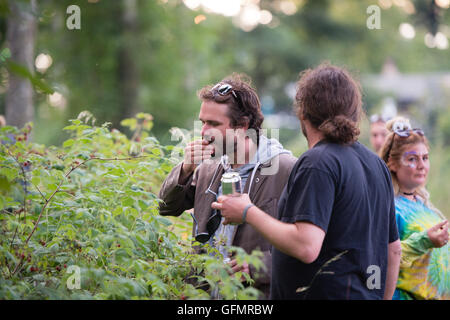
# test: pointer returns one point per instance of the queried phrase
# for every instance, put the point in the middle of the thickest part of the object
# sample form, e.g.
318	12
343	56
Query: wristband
244	214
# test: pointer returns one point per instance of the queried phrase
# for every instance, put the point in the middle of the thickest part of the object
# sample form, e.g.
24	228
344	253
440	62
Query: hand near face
438	234
196	152
232	207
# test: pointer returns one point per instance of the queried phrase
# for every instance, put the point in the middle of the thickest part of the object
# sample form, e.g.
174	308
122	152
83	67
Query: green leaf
85	140
5	54
128	202
117	211
166	167
94	198
156	151
36	180
9	174
165	221
68	143
131	123
71	127
23	72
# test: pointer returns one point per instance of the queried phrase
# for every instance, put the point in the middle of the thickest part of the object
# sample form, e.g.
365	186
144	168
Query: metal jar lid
230	177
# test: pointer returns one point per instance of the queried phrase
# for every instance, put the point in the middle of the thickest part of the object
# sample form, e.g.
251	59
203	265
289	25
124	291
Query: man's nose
205	129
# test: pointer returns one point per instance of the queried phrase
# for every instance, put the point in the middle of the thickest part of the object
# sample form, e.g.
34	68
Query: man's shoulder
279	167
323	156
287	159
284	163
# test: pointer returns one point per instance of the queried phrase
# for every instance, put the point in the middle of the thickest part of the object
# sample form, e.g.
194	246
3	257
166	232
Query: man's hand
438	234
235	267
232	207
194	153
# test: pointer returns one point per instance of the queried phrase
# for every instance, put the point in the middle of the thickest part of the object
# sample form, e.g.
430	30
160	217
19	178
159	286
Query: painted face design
412	158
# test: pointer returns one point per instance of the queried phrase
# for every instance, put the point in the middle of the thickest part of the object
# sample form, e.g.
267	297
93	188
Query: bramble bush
81	221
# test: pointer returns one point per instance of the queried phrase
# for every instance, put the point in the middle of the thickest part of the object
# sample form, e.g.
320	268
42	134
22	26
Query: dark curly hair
331	100
245	109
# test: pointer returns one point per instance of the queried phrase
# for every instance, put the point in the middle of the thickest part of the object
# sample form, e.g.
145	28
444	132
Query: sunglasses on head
224	89
405	133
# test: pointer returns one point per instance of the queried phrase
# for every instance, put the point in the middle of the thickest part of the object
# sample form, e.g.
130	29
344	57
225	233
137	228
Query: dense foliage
87	211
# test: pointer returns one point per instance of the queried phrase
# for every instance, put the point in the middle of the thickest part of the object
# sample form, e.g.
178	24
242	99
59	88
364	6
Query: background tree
127	69
21	35
152	56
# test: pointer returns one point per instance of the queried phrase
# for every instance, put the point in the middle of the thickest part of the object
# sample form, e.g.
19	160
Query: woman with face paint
425	265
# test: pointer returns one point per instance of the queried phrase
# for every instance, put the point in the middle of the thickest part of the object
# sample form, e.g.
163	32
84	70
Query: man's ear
302	116
242	128
246	122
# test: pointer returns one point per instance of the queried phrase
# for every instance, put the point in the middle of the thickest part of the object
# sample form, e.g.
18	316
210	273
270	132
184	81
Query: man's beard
230	149
234	146
220	147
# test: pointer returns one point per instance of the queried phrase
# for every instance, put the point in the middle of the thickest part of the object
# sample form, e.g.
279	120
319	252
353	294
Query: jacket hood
267	149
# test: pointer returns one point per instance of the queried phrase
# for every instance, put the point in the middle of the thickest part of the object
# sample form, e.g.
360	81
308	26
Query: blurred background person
378	131
424	270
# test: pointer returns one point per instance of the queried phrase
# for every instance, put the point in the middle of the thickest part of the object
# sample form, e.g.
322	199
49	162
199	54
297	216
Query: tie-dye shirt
424	270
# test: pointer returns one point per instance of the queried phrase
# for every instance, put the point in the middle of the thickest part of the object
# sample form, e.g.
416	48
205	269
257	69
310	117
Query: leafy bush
81	221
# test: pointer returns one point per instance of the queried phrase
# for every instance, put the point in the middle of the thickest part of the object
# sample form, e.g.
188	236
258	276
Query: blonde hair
392	151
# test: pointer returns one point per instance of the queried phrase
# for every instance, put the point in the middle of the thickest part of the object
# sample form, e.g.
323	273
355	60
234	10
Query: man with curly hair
232	139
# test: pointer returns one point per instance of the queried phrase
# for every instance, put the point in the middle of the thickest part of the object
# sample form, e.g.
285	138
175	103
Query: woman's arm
418	243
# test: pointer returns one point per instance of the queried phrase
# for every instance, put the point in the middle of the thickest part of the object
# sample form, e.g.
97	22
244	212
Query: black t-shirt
347	192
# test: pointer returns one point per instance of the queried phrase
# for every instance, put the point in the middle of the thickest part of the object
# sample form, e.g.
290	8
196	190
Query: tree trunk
20	35
127	70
